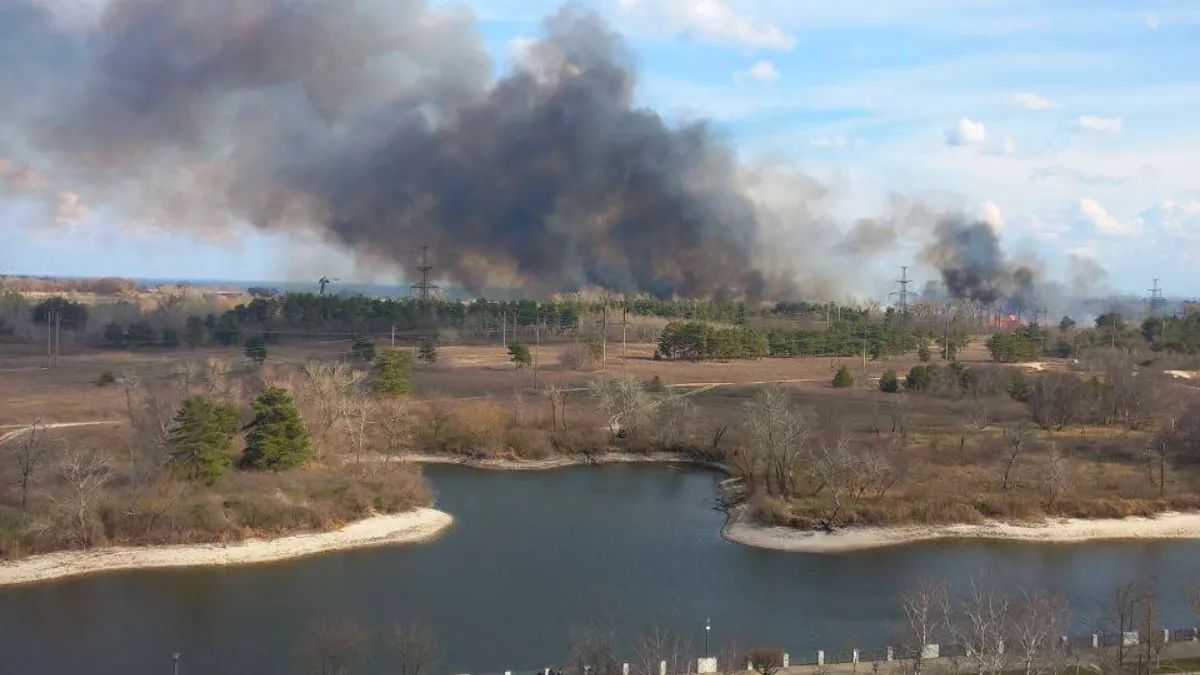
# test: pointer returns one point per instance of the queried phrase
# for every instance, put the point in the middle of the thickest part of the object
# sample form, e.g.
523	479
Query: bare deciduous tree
1037	623
778	439
395	422
660	646
623	400
333	648
592	651
556	394
982	627
414	649
1017	443
84	471
330	391
1056	476
28	451
924	611
766	660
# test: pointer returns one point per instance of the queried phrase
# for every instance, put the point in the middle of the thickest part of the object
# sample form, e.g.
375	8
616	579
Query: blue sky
1072	126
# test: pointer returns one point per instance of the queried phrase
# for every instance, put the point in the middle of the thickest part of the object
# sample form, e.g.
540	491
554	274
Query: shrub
395	373
276	438
427	352
923	353
1019	388
843	378
581	356
528	443
889	382
106	378
363	349
919	378
1021	345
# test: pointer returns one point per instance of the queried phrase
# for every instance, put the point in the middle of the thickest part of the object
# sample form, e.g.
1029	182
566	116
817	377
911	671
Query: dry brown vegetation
1106	436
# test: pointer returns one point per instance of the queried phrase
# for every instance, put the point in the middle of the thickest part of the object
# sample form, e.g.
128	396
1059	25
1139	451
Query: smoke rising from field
380	123
973	266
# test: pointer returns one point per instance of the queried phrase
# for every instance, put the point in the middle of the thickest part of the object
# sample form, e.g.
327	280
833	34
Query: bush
889	383
581	356
363	349
923	353
919	378
1020	345
395	373
427	352
1019	388
843	379
106	378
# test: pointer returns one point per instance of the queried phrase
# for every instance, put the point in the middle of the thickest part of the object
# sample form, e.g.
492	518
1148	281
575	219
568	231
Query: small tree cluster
276	437
200	438
393	373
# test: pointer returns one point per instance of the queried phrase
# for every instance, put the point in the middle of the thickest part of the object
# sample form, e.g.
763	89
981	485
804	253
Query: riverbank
385	529
1172	525
562	461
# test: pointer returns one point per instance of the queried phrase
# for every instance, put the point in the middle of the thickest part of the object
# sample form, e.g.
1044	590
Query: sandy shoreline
1171	525
560	461
410	526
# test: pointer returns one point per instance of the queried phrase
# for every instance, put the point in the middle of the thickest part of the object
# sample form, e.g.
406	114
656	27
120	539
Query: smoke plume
973	266
381	124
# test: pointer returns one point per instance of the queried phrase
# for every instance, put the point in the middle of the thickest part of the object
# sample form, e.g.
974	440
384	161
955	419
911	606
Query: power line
424	287
1156	300
904	281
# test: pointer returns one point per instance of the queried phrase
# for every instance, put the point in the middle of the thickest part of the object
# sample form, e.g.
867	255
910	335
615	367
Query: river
532	555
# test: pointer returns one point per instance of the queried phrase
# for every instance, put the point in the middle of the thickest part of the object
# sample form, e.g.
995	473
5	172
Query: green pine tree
276	438
395	373
843	378
519	354
256	350
363	349
199	440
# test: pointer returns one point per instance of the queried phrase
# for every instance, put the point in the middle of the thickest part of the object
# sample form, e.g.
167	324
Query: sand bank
410	526
560	461
1063	530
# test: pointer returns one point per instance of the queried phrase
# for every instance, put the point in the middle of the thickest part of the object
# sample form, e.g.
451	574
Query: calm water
530	556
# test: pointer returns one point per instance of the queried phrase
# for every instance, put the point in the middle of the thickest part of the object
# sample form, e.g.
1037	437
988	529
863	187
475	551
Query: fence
1072	644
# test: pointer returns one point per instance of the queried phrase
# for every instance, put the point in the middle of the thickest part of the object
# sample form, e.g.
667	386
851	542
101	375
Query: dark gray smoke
380	123
974	267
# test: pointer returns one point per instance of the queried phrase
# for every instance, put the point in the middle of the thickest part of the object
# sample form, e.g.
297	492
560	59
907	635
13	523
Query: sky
1070	126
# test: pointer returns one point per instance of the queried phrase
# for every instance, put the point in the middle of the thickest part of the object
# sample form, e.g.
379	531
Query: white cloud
1031	101
1177	219
1152	21
1097	216
1010	146
1085	251
991	214
714	21
520	48
967	132
830	142
1108	125
763	72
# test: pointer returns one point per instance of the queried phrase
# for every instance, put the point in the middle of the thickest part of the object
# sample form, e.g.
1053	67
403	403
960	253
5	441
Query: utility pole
57	333
624	328
49	337
504	329
537	348
903	293
393	335
604	336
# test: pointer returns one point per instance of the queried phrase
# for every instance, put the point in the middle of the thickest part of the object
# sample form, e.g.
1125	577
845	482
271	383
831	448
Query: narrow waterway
531	556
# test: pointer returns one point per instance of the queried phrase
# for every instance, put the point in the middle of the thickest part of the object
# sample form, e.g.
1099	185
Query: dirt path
18	429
